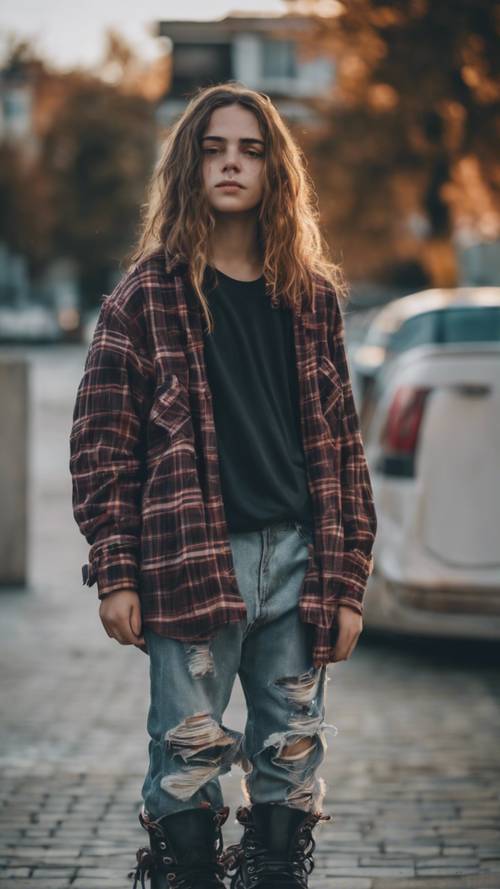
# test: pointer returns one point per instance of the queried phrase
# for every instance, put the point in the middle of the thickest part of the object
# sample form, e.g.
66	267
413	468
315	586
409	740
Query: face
233	148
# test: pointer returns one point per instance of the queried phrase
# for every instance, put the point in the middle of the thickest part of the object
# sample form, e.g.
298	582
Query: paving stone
52	883
386	860
426	871
333	882
88	883
414	849
374	871
450	861
474	881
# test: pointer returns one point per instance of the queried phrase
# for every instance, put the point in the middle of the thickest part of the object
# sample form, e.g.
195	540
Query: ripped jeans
284	739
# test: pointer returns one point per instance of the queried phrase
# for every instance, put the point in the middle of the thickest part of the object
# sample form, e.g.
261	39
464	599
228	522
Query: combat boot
276	849
185	850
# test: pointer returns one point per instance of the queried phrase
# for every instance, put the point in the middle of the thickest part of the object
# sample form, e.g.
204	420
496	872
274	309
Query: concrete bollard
14	445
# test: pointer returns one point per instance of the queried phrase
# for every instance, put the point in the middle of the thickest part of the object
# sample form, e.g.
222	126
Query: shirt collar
172	261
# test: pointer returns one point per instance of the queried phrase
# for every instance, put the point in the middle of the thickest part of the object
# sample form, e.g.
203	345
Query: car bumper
446	611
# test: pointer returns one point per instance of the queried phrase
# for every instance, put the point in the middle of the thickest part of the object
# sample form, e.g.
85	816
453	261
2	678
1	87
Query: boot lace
144	869
262	865
180	876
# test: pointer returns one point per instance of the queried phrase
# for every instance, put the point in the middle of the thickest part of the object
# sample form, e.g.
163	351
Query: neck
234	245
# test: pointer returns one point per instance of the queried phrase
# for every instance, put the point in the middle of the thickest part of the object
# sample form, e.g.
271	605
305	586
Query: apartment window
278	58
199	64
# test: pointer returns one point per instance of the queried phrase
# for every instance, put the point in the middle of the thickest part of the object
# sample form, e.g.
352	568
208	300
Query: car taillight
399	436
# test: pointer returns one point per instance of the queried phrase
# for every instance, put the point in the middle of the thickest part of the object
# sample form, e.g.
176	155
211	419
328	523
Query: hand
120	613
350	626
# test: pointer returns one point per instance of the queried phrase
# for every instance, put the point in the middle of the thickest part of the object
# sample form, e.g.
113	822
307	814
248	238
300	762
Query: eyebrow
246	141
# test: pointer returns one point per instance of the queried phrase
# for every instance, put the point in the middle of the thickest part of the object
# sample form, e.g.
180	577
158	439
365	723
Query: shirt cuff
112	565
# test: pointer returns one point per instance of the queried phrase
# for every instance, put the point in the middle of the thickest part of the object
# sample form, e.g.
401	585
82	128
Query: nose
230	164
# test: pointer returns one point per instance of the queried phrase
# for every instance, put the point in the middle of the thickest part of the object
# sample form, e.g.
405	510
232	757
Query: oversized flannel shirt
144	462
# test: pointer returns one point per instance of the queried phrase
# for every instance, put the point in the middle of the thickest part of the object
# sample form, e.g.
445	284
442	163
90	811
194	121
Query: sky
69	34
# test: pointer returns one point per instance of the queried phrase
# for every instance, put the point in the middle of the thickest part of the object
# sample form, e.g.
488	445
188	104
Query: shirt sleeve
106	455
358	507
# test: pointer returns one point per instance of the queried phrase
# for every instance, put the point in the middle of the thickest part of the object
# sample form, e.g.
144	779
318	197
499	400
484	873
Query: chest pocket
169	414
330	389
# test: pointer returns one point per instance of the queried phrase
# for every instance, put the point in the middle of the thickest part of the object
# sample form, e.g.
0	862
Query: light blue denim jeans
271	651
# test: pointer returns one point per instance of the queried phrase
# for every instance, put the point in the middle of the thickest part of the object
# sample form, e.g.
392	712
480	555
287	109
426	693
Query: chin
231	207
233	204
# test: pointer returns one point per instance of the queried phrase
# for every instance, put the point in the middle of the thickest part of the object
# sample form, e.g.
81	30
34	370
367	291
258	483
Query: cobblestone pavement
412	774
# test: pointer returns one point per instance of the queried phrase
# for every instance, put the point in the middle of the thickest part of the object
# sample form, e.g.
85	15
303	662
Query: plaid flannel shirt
144	462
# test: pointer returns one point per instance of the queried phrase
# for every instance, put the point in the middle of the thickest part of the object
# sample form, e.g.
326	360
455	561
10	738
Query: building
266	53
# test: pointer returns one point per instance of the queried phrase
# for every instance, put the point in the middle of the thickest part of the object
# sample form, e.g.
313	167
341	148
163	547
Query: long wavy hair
178	218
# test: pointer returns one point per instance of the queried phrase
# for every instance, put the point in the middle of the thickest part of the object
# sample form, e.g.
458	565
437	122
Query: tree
98	154
74	185
411	147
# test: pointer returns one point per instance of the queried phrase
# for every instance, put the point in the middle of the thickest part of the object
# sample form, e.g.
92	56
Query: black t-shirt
252	373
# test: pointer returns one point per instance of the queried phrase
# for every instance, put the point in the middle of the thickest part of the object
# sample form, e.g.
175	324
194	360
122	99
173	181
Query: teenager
220	479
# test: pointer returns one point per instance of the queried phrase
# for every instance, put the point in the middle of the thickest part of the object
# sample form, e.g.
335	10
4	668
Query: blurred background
397	109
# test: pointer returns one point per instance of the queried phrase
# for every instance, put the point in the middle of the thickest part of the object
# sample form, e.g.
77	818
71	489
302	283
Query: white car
428	382
28	324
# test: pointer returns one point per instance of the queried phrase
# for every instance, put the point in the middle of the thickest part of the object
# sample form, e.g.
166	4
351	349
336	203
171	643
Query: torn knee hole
292	747
206	748
200	660
302	748
199	732
300	690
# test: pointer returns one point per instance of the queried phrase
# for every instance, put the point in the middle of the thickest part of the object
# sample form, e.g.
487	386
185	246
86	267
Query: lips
229	182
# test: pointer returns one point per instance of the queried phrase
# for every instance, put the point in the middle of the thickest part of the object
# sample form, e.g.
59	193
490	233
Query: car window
460	324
